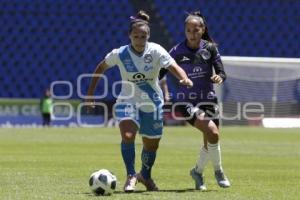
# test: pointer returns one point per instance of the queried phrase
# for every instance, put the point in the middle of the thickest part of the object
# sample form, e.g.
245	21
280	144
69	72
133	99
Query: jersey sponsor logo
139	78
148	68
197	73
184	58
205	54
197	69
148	58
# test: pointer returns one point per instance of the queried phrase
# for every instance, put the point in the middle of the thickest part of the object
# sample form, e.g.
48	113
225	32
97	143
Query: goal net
260	88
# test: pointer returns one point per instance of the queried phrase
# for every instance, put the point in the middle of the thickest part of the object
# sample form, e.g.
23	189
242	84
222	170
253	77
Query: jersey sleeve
172	52
111	59
217	62
163	72
164	58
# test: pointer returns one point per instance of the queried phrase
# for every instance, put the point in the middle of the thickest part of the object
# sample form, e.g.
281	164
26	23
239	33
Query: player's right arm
180	74
100	69
109	61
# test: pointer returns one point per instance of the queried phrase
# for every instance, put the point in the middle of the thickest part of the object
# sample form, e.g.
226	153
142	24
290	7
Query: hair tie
133	18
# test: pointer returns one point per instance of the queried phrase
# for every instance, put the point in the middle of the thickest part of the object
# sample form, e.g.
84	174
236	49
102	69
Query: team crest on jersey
205	54
148	58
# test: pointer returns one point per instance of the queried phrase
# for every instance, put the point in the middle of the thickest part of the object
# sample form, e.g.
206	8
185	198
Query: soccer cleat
149	184
222	180
198	178
130	183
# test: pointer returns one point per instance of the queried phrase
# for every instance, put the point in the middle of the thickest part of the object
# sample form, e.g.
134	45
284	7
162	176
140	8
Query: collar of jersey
201	46
138	54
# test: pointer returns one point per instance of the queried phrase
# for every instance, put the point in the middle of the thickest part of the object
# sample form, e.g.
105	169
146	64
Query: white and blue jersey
141	98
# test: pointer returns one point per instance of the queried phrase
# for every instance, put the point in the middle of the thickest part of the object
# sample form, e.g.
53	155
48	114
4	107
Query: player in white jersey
139	105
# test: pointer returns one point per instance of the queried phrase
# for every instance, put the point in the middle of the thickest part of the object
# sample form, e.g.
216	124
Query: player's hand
186	82
90	105
216	79
167	97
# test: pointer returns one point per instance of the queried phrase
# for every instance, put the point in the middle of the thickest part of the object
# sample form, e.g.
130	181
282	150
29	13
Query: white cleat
199	180
130	183
222	180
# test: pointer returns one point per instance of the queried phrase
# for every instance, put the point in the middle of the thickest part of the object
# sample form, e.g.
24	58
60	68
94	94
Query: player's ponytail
140	19
143	16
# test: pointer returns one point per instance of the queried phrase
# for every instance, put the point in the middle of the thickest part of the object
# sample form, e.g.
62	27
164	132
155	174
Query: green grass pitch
55	163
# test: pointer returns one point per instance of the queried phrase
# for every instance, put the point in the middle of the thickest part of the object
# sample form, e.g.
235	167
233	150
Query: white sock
214	152
202	160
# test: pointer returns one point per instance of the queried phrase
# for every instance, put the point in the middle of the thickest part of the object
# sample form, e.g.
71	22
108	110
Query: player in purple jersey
198	56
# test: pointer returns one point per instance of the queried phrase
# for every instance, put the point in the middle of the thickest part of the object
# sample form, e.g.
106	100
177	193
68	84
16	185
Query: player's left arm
220	76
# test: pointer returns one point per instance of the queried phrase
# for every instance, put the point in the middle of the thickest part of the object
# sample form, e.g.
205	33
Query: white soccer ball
103	182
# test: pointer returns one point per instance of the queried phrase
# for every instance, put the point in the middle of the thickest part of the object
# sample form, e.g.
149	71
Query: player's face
139	36
193	32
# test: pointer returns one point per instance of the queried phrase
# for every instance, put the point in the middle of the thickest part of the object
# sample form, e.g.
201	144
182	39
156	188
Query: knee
213	136
128	137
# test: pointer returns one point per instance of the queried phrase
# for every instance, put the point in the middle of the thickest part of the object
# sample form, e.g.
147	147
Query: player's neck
193	46
135	51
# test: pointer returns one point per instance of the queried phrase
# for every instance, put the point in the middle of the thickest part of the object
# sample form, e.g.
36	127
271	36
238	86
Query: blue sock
148	158
128	154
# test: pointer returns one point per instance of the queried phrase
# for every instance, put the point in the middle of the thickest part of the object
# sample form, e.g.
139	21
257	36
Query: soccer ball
103	182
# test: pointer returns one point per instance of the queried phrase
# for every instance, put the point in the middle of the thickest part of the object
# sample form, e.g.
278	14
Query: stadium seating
44	40
241	27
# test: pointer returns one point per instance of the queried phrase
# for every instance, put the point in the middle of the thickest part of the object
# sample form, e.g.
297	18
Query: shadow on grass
171	190
144	192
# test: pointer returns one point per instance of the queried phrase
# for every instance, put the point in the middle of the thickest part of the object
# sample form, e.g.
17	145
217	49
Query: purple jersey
198	65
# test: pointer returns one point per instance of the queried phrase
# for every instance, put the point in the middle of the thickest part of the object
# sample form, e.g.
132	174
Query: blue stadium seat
49	40
56	40
229	19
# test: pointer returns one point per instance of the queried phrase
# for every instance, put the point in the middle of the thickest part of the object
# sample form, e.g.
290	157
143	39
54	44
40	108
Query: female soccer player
139	105
198	56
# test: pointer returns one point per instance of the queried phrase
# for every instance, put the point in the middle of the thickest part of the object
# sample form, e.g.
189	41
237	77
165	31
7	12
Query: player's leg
210	128
197	171
128	129
148	157
189	112
203	157
48	119
125	114
151	131
44	117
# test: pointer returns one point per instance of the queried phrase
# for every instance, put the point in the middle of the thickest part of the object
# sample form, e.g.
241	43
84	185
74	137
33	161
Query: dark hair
141	19
198	15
